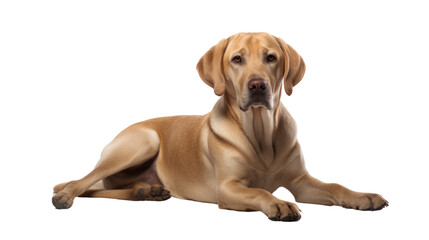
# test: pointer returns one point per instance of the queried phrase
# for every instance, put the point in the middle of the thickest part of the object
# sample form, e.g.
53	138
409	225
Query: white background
75	73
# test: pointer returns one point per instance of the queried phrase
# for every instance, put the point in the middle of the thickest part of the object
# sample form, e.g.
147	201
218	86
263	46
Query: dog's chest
265	180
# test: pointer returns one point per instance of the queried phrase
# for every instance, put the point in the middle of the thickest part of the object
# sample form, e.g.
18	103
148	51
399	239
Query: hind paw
152	193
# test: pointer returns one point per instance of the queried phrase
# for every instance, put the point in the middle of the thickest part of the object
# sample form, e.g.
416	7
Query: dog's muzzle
259	94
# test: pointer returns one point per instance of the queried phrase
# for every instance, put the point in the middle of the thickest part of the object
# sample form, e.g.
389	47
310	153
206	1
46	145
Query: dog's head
251	68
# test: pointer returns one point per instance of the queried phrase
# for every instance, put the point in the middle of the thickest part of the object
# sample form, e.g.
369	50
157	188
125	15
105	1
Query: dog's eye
236	59
271	58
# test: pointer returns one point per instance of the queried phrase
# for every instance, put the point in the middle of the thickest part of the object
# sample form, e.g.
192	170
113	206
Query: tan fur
232	156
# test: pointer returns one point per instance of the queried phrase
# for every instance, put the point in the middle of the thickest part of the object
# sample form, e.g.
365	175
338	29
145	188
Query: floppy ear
210	67
294	66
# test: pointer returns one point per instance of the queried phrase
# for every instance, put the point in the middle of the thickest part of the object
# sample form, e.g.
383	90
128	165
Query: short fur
235	156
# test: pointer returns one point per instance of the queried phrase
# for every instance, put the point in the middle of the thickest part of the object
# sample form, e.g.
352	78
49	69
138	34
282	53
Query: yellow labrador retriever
235	156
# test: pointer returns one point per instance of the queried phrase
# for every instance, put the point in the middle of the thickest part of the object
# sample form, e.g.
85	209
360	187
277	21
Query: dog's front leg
234	195
308	189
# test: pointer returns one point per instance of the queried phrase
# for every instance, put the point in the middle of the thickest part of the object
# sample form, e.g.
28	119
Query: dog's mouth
263	102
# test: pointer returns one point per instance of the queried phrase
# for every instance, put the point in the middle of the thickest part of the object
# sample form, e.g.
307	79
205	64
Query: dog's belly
145	172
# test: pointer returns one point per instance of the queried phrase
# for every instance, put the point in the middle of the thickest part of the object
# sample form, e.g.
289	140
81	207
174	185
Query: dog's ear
294	68
210	67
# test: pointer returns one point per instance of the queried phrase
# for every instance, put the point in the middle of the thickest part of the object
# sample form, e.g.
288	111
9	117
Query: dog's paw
283	211
153	193
367	202
62	200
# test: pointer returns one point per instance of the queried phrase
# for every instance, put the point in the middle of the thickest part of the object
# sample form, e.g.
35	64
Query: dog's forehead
252	42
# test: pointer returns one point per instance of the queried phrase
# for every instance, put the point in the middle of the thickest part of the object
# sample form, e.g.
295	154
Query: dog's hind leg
132	147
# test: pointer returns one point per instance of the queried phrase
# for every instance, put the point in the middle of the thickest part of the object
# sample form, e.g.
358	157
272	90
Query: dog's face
251	68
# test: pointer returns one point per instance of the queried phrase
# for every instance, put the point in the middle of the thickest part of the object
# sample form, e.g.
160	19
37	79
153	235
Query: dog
236	156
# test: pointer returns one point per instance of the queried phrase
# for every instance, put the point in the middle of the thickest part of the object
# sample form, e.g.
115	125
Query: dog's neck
258	124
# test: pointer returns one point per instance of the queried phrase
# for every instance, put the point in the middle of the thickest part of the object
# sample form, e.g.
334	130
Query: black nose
257	85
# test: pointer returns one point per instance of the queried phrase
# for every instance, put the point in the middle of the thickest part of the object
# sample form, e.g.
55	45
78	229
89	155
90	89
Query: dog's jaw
265	104
248	101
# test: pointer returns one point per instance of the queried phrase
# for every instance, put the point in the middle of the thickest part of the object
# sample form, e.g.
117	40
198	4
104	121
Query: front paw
366	202
283	211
